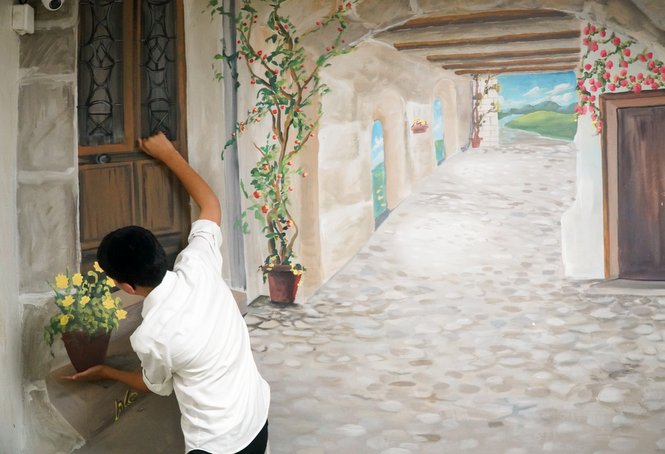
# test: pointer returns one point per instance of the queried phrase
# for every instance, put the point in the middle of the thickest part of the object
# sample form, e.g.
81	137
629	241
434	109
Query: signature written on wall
120	405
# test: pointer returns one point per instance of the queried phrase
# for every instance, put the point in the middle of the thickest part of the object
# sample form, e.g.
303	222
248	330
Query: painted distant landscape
539	103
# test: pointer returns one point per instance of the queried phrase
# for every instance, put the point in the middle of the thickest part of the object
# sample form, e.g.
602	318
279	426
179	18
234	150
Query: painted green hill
549	124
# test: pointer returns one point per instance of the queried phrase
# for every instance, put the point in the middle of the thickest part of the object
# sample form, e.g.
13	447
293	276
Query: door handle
102	158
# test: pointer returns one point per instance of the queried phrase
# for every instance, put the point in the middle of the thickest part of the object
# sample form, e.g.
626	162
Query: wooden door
641	192
131	84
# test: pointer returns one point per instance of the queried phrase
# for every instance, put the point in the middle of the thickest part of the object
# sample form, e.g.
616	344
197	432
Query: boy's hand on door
157	146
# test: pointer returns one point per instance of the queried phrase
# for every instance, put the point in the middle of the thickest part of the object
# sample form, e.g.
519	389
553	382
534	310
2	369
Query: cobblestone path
454	330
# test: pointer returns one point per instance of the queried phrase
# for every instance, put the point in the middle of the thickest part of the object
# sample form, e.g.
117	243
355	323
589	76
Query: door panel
106	200
161	196
641	193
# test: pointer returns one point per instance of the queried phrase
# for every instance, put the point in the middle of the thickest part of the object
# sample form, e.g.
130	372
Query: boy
193	339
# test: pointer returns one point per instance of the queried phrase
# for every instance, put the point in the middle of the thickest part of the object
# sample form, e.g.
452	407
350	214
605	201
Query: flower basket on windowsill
87	313
419	126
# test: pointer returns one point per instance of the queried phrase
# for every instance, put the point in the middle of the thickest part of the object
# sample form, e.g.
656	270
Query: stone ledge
91	407
627	287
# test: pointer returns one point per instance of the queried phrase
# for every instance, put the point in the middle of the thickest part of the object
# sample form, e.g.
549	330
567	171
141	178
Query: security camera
53	5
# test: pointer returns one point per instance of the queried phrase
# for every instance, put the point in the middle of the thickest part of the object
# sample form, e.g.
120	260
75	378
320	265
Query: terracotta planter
283	284
475	141
86	350
418	129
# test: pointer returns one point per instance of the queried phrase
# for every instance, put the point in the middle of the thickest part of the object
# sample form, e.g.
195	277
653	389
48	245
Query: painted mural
475	295
540	103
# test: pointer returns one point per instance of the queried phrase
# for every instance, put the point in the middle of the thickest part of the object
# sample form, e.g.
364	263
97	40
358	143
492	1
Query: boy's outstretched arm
102	372
161	148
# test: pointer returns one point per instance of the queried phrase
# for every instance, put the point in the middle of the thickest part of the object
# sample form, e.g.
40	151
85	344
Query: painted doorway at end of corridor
437	130
634	185
378	166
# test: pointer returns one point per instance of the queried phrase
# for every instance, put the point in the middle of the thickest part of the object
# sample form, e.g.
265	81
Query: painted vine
287	82
612	63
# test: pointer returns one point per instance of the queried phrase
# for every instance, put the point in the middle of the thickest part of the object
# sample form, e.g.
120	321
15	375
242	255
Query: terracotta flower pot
86	350
475	141
283	284
418	129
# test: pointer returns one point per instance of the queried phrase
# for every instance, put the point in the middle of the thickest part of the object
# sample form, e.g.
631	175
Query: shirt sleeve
157	374
157	377
205	241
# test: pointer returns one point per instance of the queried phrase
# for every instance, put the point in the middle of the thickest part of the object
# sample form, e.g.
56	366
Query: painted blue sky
518	90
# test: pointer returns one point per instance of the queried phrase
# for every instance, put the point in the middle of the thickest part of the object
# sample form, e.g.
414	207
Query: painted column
11	410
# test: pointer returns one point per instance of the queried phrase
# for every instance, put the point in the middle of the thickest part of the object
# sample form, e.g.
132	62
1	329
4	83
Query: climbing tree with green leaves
288	89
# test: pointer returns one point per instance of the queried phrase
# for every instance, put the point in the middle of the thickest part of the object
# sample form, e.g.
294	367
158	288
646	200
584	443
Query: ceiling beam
509	63
497	39
533	69
508	54
481	18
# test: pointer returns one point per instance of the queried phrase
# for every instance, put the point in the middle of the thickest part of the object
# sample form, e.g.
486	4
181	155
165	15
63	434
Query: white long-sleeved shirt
194	340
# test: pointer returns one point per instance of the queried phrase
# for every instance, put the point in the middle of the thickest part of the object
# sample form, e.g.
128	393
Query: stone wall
11	409
47	204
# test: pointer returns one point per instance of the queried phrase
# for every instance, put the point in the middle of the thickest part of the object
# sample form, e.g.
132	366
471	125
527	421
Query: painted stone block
37	358
49	51
45	428
47	137
47	233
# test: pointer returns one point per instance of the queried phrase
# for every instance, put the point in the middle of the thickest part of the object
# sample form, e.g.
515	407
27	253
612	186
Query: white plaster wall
11	409
205	104
582	224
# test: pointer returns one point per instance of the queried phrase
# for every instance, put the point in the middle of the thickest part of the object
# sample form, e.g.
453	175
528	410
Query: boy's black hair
133	255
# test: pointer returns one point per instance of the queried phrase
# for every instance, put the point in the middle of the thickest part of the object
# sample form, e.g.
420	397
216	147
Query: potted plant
478	116
87	313
287	82
419	126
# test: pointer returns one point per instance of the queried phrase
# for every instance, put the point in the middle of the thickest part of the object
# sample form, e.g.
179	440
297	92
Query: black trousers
257	446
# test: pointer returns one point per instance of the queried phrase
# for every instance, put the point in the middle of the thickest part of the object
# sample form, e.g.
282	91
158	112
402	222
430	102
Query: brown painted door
641	192
131	84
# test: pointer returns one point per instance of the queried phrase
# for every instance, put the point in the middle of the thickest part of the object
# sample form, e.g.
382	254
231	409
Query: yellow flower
96	267
61	281
110	282
108	303
77	279
85	300
121	314
68	301
64	319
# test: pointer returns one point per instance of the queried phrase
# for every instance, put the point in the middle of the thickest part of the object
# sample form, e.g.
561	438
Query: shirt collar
159	293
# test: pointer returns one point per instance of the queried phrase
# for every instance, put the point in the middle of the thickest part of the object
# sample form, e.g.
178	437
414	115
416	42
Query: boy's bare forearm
133	379
159	147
